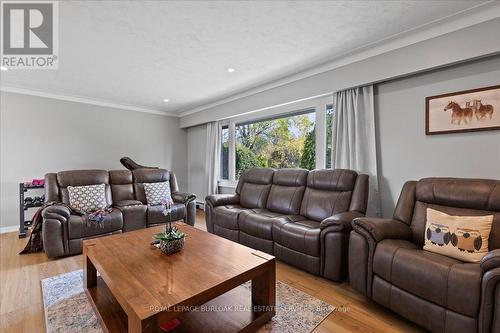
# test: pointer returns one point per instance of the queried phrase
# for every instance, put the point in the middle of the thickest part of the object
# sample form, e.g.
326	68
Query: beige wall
40	135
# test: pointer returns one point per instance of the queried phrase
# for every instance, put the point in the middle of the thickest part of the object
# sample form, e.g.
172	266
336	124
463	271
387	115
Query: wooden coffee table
139	288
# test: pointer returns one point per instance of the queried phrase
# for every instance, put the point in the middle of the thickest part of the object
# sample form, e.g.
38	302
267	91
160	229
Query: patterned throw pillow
156	192
461	237
87	198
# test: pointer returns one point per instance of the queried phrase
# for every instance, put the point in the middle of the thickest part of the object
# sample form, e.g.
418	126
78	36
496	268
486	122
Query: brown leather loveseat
302	217
63	232
388	264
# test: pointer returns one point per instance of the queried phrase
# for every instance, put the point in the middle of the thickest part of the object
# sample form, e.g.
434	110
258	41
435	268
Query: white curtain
354	138
213	156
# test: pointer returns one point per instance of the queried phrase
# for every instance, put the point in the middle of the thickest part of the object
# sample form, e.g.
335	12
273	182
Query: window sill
227	183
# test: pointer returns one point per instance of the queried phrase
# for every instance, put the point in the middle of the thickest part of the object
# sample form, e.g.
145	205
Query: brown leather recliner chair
302	217
63	233
442	294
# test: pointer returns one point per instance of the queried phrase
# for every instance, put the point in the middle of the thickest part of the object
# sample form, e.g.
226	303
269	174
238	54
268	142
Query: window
329	135
224	155
277	137
286	142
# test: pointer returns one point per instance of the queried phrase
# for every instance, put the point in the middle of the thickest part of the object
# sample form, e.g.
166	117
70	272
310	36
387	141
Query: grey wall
197	153
462	45
39	135
406	153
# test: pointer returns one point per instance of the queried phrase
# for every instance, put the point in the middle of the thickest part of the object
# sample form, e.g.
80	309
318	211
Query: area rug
68	310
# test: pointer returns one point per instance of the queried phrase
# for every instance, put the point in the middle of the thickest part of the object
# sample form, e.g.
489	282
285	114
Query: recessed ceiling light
231	70
166	100
3	68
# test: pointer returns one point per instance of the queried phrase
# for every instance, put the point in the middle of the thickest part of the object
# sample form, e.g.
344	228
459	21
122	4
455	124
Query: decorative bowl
171	246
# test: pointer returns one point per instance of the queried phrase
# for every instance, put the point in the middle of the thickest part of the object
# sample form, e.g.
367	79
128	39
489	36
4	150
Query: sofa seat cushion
297	233
155	213
442	280
257	223
126	203
134	217
78	227
227	216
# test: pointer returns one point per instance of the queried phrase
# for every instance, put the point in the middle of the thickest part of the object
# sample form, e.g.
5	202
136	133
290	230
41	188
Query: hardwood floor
21	308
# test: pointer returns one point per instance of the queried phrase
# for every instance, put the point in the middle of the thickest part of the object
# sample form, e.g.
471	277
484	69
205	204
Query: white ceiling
139	52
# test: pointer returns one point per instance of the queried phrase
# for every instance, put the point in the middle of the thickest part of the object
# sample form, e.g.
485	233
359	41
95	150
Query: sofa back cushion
142	176
328	192
253	187
82	178
459	197
51	188
122	185
287	191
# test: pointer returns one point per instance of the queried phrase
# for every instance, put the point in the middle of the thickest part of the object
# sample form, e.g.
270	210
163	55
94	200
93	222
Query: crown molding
84	100
483	12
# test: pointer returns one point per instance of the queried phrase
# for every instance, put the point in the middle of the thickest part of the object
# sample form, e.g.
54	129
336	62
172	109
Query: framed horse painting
463	111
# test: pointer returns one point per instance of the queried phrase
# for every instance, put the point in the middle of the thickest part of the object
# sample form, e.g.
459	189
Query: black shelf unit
23	224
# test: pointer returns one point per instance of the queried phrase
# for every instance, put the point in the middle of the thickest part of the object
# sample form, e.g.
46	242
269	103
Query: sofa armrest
57	212
380	229
222	199
341	221
55	230
489	313
491	260
184	198
334	240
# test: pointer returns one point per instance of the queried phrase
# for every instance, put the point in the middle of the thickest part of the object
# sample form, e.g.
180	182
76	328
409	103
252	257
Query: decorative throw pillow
87	198
156	192
461	237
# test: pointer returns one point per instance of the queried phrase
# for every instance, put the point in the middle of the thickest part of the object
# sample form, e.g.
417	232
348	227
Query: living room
244	166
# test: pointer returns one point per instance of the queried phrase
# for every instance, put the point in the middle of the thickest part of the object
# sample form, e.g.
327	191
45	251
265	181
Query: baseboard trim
11	228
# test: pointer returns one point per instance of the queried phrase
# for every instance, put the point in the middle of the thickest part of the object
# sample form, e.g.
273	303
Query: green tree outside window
279	143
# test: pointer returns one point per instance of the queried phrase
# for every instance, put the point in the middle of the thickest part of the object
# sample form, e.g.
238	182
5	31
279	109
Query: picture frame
463	111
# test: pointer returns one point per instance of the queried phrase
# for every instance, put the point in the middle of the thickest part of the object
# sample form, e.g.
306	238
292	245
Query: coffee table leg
264	290
135	325
89	271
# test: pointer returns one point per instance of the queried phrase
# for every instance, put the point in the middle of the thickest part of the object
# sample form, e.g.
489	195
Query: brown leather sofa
63	233
302	217
442	294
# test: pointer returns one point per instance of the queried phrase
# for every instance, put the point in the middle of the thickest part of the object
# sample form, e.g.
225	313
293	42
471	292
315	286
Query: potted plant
172	239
